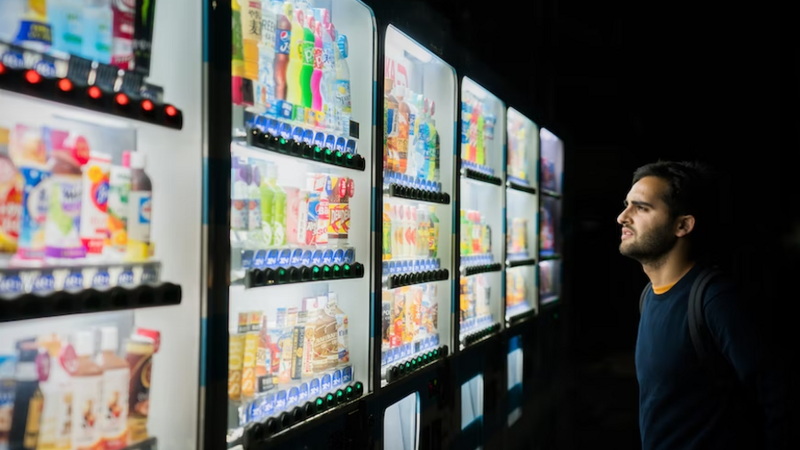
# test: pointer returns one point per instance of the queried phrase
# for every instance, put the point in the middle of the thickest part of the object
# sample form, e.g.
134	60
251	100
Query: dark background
627	84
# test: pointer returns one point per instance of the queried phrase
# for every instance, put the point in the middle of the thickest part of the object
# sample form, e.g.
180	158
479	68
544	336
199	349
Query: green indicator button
283	141
330	397
317	149
338	154
316	269
319	402
358	385
282	271
347	267
340	393
336	268
349	156
326	269
328	152
349	389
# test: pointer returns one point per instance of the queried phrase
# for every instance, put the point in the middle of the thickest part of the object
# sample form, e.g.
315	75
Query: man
666	225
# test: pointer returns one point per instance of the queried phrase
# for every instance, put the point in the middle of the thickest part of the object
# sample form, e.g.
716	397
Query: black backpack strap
708	351
643	296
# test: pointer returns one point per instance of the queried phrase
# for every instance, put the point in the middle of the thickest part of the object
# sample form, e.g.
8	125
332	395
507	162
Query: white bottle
87	383
94	203
98	20
265	88
116	383
140	205
55	426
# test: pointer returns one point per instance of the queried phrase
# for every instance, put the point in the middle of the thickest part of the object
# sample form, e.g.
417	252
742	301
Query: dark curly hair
693	190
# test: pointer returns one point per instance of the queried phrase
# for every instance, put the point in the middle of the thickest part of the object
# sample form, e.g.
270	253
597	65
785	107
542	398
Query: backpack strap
643	296
704	343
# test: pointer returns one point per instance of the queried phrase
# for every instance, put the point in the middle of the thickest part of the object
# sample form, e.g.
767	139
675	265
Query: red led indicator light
2	69
147	105
33	76
95	92
171	111
122	99
65	85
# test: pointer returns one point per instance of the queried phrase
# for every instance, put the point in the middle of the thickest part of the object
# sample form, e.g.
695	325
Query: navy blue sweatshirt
680	407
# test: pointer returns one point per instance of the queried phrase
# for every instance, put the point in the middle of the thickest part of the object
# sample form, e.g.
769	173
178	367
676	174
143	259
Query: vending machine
481	204
415	222
100	224
551	168
299	216
522	204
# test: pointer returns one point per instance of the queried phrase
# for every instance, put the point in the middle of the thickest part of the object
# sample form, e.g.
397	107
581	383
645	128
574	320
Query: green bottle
308	61
267	195
433	232
278	207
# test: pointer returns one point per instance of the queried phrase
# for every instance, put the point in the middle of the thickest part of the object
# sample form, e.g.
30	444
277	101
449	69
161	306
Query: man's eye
641	208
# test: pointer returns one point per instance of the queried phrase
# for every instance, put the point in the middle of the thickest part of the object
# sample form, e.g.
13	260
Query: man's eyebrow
638	203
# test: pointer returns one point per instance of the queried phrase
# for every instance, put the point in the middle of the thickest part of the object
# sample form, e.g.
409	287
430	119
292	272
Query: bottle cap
84	343
126	158
138	160
108	338
341	41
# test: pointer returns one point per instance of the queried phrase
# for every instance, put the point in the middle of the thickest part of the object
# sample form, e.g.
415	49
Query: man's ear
684	226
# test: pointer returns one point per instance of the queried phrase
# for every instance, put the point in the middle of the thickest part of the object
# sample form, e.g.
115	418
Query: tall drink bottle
283	34
343	84
294	94
308	61
328	71
316	75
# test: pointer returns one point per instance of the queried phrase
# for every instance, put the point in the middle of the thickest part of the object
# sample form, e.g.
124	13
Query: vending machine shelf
473	174
517	262
549	256
521	187
62	303
399	191
304	274
408	366
480	334
148	444
304	150
258	433
481	268
548	300
66	81
409	279
550	193
519	313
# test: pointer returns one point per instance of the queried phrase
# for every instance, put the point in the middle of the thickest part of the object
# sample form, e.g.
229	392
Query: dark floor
603	402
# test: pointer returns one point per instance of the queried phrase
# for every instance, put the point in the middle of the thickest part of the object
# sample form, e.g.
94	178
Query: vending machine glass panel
301	167
100	224
522	202
401	424
416	221
481	213
514	371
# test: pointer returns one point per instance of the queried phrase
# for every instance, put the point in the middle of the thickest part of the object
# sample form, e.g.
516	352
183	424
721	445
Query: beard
649	247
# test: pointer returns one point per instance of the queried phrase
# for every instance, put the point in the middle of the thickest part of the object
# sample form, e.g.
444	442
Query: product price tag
313	387
280	401
247	259
325	385
272	258
338	256
303	391
293	397
74	280
316	258
336	380
347	374
327	257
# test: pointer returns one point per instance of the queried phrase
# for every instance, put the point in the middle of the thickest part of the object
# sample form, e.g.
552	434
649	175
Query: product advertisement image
100	218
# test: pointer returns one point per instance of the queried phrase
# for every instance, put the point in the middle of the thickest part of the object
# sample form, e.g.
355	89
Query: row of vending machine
288	223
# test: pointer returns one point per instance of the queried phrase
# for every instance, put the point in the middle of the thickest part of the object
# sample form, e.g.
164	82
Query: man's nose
623	218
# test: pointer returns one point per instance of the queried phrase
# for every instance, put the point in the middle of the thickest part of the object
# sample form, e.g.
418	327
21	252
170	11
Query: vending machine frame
214	400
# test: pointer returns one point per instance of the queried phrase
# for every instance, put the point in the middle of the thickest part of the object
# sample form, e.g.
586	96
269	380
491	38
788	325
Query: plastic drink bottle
316	75
294	94
328	72
140	203
97	36
265	93
343	85
66	23
283	34
308	61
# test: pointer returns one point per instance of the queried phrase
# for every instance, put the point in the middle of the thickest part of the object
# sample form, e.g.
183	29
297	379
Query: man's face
647	229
